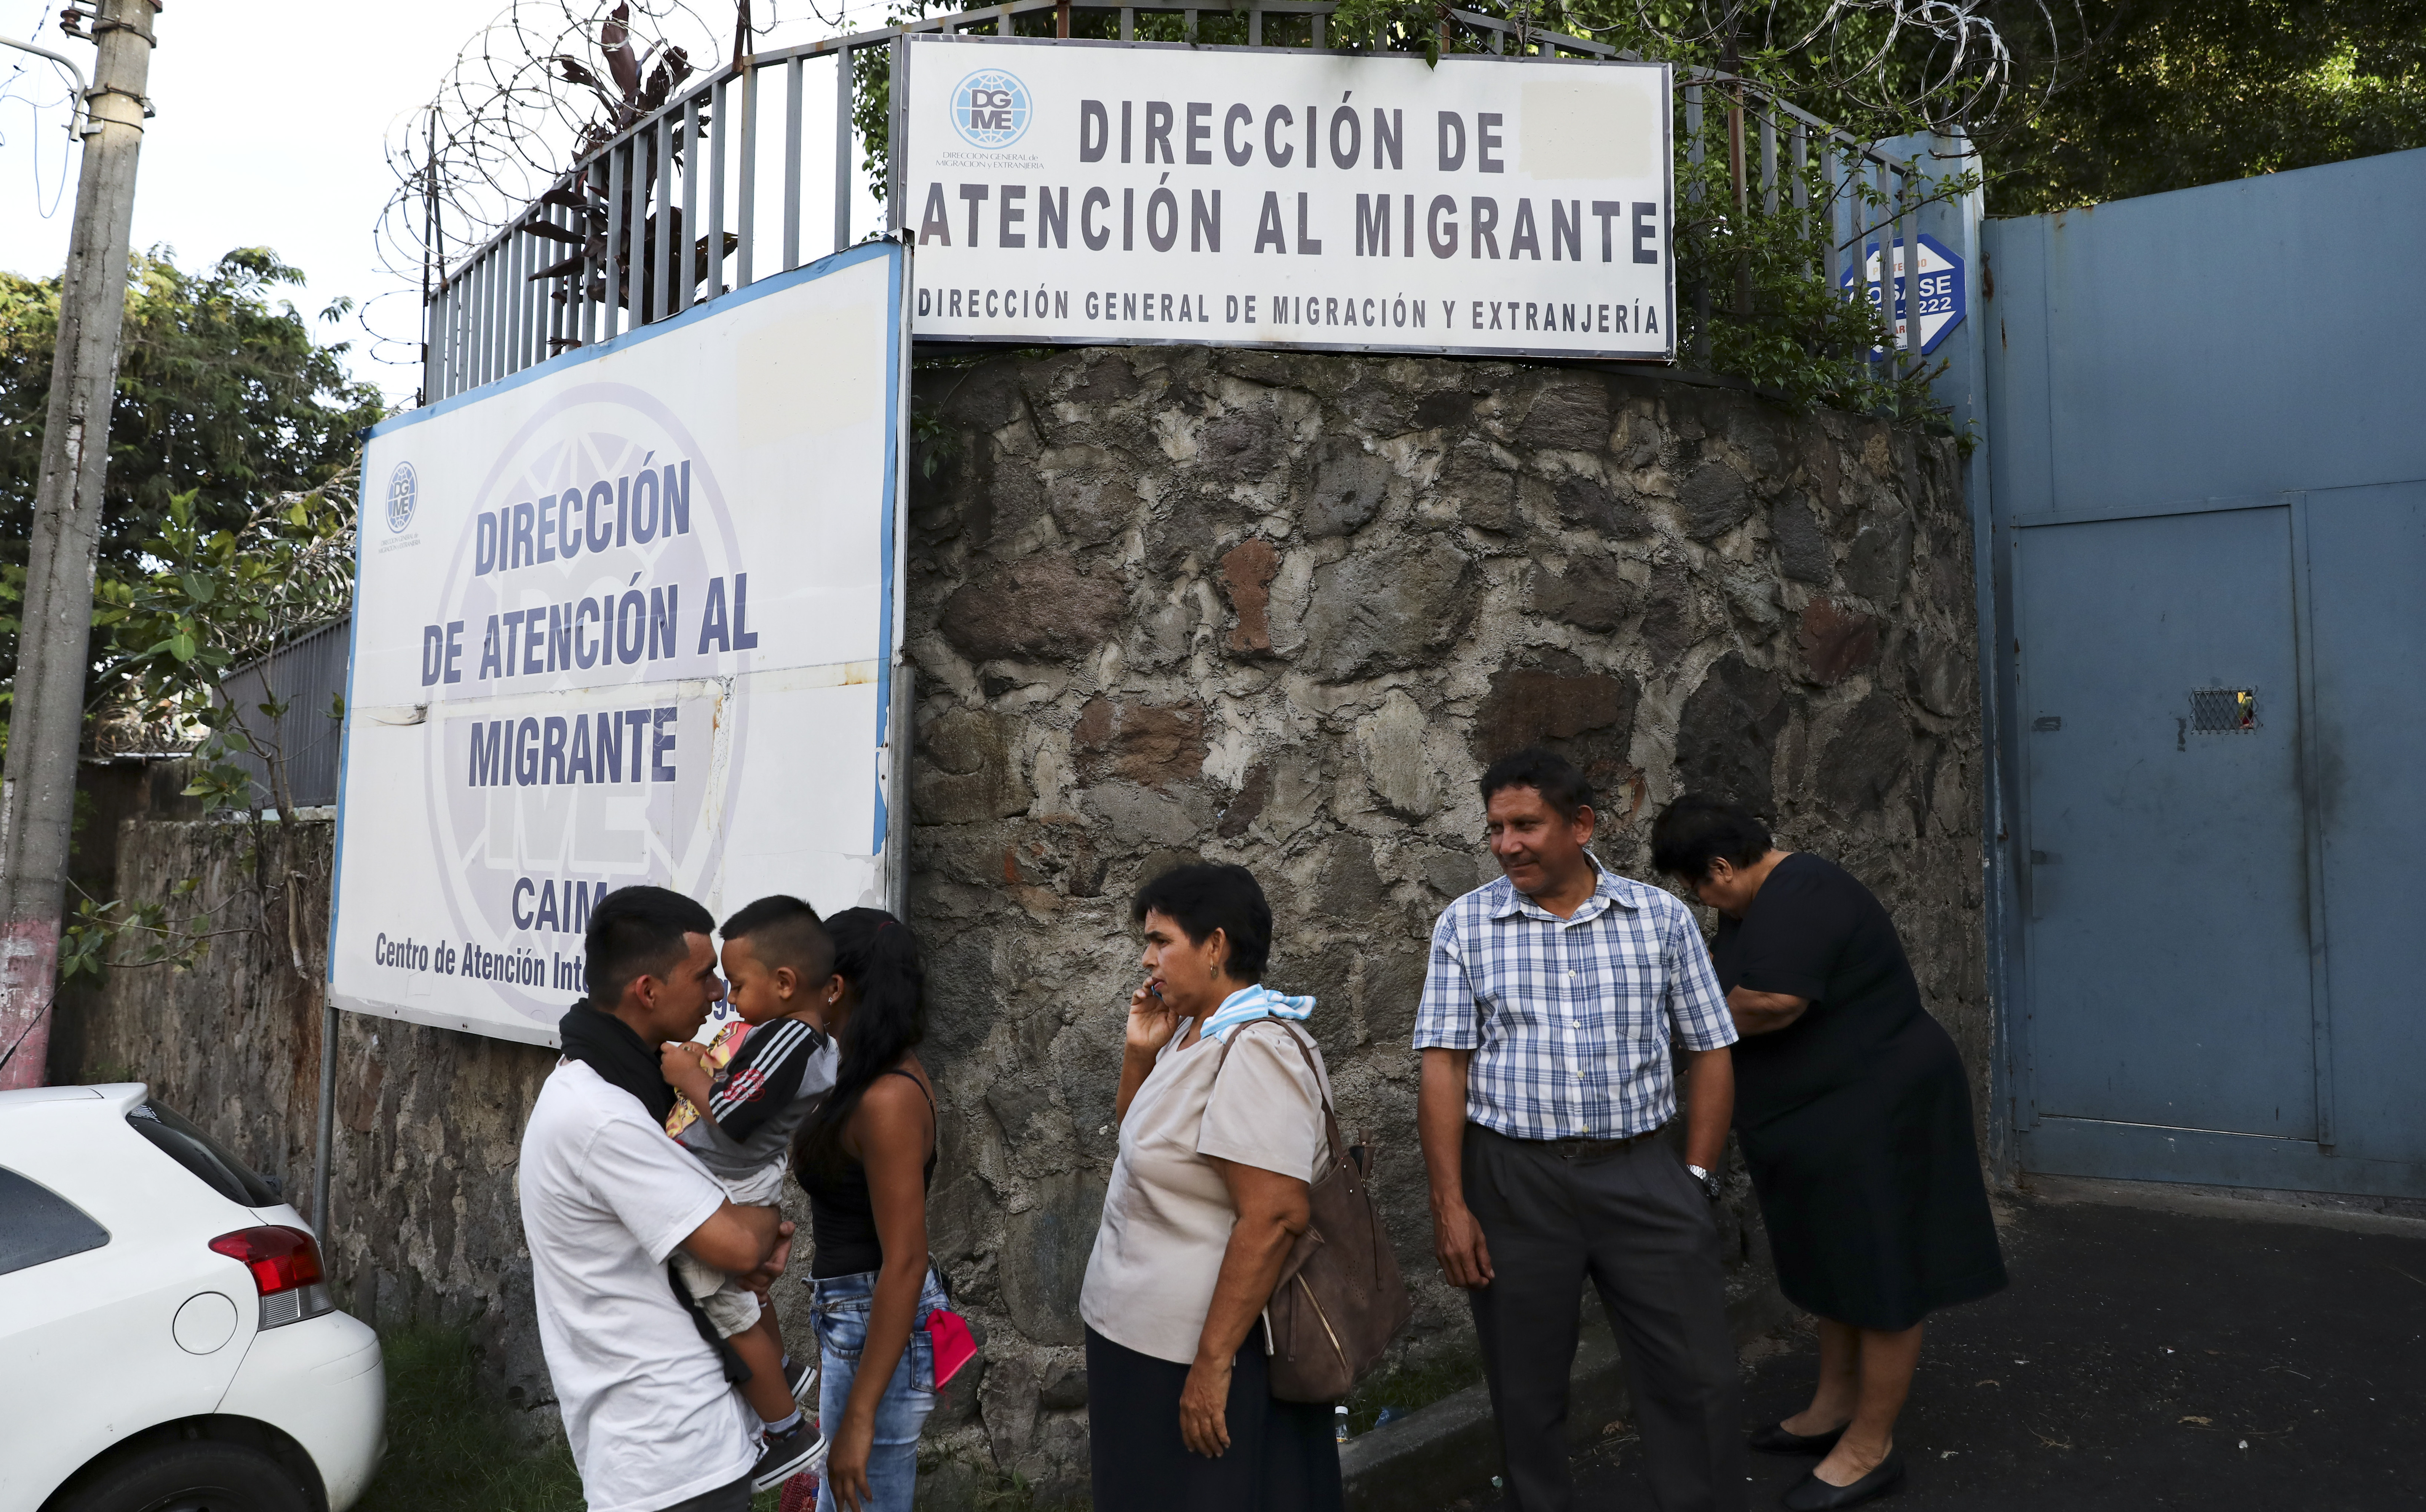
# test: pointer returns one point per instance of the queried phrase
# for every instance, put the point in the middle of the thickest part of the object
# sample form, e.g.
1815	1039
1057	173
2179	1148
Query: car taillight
286	1266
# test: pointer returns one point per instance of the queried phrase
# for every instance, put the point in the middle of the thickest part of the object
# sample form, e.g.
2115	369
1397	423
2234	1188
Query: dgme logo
403	493
991	108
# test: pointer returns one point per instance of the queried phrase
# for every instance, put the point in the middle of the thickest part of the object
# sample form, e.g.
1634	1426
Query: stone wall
1174	604
1167	603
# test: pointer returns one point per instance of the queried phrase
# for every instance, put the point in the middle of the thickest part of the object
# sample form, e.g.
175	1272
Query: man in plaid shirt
1552	1002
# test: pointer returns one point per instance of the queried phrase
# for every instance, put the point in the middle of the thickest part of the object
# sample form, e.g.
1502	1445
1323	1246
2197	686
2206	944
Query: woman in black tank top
865	1157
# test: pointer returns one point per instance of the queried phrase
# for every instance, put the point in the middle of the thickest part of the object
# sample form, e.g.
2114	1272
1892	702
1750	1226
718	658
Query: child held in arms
743	1096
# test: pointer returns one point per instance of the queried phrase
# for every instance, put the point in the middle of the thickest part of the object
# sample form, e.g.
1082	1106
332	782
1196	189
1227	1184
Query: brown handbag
1340	1299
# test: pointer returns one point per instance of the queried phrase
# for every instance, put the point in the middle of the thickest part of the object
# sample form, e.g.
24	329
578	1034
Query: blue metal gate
2207	414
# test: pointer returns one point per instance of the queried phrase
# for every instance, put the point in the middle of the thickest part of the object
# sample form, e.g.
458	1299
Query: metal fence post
844	79
1693	197
1908	267
618	220
794	79
1768	161
661	247
687	279
717	133
324	1137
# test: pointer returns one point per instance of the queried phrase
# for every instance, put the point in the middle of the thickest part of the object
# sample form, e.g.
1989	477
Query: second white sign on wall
1078	191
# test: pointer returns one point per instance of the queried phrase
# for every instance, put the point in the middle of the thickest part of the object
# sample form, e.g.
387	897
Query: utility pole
46	716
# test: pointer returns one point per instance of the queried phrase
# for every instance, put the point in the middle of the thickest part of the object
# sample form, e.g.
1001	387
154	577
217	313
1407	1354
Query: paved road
2145	1360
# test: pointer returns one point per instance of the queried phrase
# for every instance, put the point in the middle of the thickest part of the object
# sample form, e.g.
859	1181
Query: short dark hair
634	932
1545	772
785	932
1208	896
1697	829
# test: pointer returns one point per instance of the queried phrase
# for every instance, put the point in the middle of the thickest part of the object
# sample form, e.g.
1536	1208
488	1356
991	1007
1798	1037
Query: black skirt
1855	1119
1283	1457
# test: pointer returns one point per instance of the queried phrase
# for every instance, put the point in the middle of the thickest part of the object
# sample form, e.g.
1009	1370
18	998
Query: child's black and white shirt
771	1075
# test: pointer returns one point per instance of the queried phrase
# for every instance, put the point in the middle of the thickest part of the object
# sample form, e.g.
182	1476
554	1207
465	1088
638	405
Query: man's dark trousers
1627	1216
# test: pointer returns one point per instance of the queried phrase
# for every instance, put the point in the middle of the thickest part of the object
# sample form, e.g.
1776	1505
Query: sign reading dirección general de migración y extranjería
627	617
1078	191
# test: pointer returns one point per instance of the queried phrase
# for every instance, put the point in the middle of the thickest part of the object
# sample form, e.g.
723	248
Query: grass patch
449	1446
1409	1387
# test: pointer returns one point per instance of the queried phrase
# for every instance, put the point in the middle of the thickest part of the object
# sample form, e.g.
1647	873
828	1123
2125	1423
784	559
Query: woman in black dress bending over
864	1156
1855	1121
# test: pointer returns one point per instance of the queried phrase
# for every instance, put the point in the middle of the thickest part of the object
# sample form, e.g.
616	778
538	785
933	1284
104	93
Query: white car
167	1340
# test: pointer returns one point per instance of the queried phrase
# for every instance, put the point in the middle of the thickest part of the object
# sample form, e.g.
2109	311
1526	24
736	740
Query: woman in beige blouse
1222	1134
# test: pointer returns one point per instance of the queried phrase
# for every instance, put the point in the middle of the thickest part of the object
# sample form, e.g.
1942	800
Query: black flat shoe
1773	1439
1812	1494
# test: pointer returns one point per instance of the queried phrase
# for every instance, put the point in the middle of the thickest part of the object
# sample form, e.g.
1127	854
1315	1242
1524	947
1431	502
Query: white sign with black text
626	617
1084	191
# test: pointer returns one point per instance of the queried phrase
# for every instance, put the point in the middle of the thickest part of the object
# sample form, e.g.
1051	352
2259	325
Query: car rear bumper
321	1383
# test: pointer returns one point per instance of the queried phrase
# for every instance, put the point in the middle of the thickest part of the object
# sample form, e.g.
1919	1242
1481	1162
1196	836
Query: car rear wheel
191	1477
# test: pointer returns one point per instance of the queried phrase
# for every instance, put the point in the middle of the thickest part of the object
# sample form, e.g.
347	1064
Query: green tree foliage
201	604
224	401
2169	94
228	527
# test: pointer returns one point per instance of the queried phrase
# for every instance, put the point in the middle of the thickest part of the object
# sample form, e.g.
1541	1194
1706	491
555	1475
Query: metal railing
618	242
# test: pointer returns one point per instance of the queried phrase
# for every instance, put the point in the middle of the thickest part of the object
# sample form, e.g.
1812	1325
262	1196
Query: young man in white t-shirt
606	1198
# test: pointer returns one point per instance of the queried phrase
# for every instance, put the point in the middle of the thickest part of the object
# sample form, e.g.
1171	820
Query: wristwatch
1711	1187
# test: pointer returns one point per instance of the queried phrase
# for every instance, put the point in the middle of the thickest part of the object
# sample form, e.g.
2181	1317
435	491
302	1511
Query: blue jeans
838	1310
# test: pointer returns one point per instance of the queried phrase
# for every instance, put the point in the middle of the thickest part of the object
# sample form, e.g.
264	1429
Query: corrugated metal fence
620	241
305	677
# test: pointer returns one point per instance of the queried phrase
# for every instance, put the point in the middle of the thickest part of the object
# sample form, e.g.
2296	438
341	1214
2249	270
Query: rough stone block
1390	740
1453	874
1107	380
1243	807
1835	643
1583	499
1670	612
962	770
1063	1383
1876	563
1242	447
1823	467
1089	492
1045	1253
1556	702
1350	887
1727	738
1477	488
1445	408
1247	571
1592	594
1388	608
1872	749
1042	607
1157	744
1802	551
1136	818
1349	486
1714	499
1941	675
1568	415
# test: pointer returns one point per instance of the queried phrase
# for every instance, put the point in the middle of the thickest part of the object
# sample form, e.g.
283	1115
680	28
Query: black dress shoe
1812	1494
1773	1439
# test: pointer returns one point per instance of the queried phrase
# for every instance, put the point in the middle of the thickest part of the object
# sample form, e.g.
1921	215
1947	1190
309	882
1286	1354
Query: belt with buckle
1578	1146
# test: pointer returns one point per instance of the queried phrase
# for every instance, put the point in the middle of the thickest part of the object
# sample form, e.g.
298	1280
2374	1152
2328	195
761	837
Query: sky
270	130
